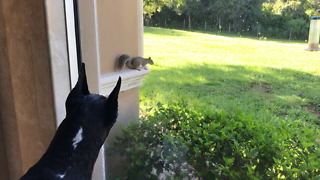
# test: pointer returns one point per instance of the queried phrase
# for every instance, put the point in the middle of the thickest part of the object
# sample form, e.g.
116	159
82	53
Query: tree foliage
276	18
153	6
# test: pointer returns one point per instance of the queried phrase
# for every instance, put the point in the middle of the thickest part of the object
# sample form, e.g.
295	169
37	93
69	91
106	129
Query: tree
272	17
152	6
242	15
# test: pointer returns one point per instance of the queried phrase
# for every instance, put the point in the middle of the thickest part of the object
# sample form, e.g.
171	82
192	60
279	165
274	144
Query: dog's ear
113	97
82	85
79	91
112	101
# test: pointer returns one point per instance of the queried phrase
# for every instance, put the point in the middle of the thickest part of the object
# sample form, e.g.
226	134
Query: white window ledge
131	78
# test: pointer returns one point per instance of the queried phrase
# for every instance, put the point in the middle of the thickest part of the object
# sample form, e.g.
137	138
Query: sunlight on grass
263	78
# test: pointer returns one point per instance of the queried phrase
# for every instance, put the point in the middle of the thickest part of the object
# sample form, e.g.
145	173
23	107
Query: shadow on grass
165	32
180	32
261	91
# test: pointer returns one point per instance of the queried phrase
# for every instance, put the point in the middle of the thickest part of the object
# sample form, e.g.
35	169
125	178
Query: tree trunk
205	26
290	34
217	22
189	22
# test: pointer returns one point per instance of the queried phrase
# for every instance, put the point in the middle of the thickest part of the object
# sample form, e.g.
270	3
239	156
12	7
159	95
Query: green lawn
268	79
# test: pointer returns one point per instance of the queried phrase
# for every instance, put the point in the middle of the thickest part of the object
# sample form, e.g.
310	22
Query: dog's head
76	144
91	115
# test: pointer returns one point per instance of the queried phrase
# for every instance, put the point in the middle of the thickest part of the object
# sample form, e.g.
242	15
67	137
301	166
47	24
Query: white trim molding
131	78
71	42
58	56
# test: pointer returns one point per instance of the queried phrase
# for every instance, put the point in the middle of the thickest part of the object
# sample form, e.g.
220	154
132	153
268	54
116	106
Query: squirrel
132	63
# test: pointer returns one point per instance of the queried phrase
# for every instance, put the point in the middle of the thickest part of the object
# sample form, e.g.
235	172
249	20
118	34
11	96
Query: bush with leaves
177	142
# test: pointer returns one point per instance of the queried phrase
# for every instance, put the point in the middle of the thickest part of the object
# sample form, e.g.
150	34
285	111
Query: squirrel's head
150	60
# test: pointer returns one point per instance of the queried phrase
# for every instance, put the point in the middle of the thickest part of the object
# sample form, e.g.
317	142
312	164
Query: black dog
76	144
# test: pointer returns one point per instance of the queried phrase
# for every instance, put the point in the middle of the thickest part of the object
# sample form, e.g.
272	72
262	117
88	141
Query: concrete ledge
131	78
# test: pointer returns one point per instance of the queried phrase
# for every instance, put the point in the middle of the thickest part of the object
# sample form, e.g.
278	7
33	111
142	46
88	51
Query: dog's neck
72	151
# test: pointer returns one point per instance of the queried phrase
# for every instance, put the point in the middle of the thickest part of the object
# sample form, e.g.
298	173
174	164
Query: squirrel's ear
79	91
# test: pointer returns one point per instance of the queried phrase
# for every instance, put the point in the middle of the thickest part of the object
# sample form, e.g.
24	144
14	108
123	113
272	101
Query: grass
268	79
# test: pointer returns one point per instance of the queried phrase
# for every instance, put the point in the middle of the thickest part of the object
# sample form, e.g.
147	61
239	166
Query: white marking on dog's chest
77	139
61	175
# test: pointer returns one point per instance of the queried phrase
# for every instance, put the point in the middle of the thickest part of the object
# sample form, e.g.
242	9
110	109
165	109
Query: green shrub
177	141
299	28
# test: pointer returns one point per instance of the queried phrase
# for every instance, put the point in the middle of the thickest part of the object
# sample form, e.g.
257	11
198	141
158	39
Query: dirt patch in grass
313	109
262	86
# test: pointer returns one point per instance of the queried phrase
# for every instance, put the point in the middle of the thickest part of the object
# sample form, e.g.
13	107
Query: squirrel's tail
121	61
